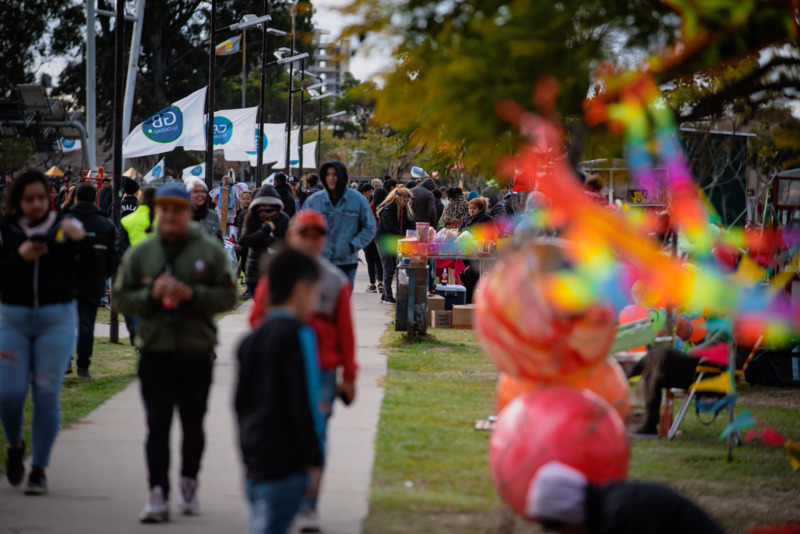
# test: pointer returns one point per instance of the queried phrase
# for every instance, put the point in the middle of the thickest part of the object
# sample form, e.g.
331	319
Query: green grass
113	367
431	468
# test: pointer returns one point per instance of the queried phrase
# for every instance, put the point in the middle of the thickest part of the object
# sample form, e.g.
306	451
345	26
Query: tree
358	100
27	33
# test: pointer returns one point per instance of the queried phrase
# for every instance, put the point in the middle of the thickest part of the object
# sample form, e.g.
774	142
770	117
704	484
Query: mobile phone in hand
345	399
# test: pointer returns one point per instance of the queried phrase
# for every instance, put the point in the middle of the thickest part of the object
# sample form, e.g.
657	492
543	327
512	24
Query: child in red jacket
332	323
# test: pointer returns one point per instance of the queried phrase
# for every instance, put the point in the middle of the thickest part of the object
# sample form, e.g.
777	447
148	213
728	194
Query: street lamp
316	98
359	154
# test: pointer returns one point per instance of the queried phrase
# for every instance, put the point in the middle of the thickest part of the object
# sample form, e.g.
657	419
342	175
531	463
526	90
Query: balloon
606	379
684	329
658	318
633	313
700	330
524	328
568	425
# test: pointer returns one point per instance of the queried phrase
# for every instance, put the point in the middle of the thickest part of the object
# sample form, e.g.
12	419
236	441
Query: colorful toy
572	426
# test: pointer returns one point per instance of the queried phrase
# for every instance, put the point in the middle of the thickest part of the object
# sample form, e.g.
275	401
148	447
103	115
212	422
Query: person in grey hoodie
496	208
423	204
351	225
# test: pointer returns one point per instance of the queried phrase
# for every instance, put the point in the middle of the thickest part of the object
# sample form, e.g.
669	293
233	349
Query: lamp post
283	60
319	128
306	85
359	154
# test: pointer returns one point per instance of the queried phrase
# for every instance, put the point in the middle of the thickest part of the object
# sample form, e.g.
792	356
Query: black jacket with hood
285	191
99	259
423	204
258	237
389	222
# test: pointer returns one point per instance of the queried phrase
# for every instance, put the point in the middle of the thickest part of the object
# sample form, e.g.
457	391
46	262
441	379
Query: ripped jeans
36	345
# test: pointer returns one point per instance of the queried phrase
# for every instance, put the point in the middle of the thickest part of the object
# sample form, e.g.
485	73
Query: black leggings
165	382
389	261
374	265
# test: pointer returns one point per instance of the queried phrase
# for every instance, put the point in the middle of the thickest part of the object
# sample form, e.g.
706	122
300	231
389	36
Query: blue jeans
275	503
36	345
350	273
327	399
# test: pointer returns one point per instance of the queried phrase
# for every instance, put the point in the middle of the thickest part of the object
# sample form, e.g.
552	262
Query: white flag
235	129
197	172
294	151
179	124
70	145
309	156
274	147
155	173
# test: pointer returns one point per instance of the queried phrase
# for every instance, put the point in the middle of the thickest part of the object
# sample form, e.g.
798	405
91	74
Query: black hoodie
341	183
423	204
98	261
258	237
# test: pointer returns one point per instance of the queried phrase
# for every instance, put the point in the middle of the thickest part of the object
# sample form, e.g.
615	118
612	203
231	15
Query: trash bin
412	280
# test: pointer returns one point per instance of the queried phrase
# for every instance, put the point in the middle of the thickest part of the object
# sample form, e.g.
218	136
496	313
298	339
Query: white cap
557	493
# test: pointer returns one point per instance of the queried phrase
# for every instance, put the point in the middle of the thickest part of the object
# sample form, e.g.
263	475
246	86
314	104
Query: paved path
97	475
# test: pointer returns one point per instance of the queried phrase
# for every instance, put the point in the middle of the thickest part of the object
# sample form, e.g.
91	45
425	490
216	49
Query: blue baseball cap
172	194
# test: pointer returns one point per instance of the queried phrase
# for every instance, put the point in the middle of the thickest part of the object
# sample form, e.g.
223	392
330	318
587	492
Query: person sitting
478	214
562	500
456	208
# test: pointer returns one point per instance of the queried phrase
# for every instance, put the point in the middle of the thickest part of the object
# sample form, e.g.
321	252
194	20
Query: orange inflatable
525	331
606	379
699	330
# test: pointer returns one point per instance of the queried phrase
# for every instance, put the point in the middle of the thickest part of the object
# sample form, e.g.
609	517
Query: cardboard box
442	319
435	302
463	316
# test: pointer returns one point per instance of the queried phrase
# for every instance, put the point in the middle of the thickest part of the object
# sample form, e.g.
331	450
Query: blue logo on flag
295	161
156	171
255	150
223	130
197	171
67	143
165	126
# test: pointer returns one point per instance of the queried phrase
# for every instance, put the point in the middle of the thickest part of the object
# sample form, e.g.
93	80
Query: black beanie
130	187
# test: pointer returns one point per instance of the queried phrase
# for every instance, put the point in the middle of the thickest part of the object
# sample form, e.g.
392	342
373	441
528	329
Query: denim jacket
351	225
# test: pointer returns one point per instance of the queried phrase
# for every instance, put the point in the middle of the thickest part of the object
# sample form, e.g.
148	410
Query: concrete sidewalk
97	476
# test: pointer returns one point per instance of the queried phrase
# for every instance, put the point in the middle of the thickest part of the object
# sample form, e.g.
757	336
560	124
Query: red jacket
333	321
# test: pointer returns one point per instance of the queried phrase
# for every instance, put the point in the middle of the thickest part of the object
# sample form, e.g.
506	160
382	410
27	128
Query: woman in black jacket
265	226
39	251
478	215
394	218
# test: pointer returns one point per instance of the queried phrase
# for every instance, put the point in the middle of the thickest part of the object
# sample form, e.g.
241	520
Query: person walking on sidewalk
38	320
374	267
351	225
175	282
264	228
97	263
332	323
278	396
395	216
202	210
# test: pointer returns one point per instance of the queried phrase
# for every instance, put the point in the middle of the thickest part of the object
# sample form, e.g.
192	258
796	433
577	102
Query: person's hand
239	249
271	225
73	229
179	292
314	480
348	389
30	250
161	286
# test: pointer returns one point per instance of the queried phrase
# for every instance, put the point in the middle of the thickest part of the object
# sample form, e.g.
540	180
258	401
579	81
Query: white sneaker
156	510
187	496
308	521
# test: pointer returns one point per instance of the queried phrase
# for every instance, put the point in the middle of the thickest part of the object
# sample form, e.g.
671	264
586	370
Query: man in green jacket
175	282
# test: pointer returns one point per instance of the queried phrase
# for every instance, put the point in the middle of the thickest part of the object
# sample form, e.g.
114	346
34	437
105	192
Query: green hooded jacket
201	263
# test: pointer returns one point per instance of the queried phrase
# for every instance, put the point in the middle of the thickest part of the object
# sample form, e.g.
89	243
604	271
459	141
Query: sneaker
380	288
187	497
389	300
371	289
83	372
156	510
15	469
307	521
37	482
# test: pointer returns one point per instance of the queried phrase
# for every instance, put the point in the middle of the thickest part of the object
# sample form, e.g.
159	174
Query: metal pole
244	88
91	87
260	144
133	66
118	137
319	136
302	114
291	90
212	57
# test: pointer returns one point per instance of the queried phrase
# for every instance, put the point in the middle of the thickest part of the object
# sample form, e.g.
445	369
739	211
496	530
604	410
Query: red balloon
700	330
684	329
527	333
568	425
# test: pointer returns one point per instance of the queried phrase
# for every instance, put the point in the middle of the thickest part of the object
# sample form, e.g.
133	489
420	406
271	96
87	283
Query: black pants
663	369
168	381
469	279
374	263
87	315
389	262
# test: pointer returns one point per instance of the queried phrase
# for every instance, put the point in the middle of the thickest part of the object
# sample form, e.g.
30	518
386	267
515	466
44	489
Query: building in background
331	61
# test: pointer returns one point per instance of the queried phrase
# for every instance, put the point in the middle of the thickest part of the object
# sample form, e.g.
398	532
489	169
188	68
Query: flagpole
244	87
118	119
260	144
212	56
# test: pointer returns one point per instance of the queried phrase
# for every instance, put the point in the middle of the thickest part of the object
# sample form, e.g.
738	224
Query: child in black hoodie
277	398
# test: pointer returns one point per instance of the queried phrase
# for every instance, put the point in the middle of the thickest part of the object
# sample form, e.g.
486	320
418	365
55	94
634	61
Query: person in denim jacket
351	225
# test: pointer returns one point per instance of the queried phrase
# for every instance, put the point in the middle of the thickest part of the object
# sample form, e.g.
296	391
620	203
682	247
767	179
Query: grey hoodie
423	203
